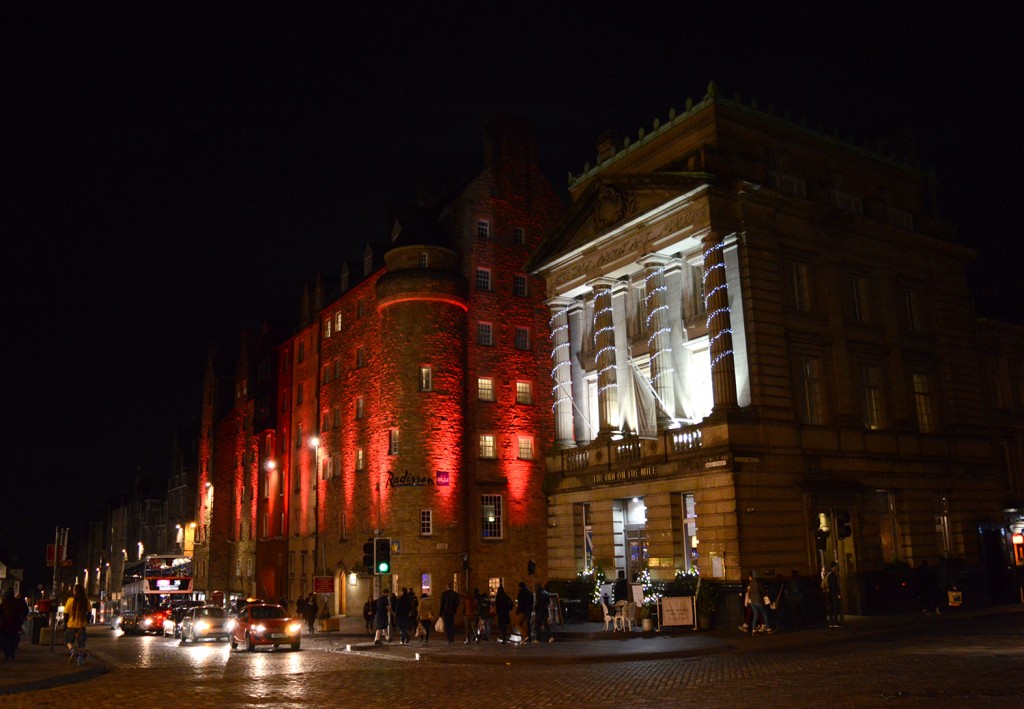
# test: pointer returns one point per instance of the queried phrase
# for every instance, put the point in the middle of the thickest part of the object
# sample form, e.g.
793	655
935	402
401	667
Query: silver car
205	623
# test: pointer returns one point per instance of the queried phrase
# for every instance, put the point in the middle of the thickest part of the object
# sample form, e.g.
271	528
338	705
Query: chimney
509	139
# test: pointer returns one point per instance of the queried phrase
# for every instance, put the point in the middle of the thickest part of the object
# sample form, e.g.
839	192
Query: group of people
525	617
306	608
783	604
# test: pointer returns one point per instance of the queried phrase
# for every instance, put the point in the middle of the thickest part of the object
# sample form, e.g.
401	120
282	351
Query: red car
153	620
264	624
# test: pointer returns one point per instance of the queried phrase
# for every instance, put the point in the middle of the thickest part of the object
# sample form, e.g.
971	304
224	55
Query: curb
58	681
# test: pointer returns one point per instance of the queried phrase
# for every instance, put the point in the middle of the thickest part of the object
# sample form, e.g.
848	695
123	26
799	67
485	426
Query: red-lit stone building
413	404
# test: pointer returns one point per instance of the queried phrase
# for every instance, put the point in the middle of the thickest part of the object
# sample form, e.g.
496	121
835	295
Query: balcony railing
629	449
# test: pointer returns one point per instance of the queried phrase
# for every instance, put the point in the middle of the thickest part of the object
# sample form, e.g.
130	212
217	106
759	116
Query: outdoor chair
608	618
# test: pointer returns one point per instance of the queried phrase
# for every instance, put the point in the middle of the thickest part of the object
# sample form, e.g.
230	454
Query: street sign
323	584
52	553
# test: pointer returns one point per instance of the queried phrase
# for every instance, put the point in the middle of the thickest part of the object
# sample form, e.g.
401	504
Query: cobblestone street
953	663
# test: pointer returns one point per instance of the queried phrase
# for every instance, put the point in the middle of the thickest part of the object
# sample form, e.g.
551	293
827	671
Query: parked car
172	623
264	624
205	623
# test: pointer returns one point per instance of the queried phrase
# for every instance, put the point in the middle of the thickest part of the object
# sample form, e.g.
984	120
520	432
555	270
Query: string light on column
558	393
718	311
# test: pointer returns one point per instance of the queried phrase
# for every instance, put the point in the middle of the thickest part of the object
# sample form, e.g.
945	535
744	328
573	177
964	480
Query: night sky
172	173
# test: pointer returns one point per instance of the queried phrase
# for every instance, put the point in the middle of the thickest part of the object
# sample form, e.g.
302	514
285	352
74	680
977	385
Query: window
695	300
901	218
483	279
809	389
848	202
299	394
871	381
302	351
263	485
911	310
265	524
483	229
921	384
327	329
337	321
889	532
360	459
424	259
361	307
526	448
298	436
799	286
860	299
484	334
490	516
360	357
524	392
360	407
790	184
522	338
519	285
518	235
487	447
393	441
426	378
485	389
943	533
689	515
426	523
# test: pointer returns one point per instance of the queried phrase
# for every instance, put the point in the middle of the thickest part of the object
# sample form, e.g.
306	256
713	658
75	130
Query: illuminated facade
761	346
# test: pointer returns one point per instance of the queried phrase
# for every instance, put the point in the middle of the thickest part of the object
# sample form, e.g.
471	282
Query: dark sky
173	173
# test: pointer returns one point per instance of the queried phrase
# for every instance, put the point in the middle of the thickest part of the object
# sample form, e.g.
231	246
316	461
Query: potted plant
706	598
644	616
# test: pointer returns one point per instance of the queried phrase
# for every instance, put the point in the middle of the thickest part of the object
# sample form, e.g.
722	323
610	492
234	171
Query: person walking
524	609
13	612
470	616
427	614
834	598
483	607
381	618
542	602
503	606
449	607
403	609
368	611
310	612
76	616
759	621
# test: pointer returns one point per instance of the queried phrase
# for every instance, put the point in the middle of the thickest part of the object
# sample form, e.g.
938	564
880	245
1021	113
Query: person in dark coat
449	606
310	611
368	612
13	612
524	609
381	618
403	609
503	606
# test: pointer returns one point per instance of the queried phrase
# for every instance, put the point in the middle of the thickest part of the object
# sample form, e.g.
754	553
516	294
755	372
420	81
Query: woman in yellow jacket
76	615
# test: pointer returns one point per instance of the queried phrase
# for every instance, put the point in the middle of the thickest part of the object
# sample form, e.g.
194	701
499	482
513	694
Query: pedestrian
300	607
759	620
924	586
310	612
449	607
368	611
427	613
381	618
748	611
13	612
796	602
483	607
503	606
403	608
777	618
470	615
541	607
76	614
524	609
834	598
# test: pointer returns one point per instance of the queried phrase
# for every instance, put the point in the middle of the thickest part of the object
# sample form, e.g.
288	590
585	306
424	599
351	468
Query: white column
659	336
561	376
604	356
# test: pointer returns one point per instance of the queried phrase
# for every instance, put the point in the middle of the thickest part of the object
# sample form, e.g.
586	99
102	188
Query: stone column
659	336
561	372
581	426
719	322
604	356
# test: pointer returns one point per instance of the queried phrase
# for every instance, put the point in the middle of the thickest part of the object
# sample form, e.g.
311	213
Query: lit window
424	259
490	516
487	446
426	522
360	459
483	279
327	329
689	532
360	407
484	334
337	321
518	235
393	441
524	392
483	229
522	338
519	285
923	403
426	379
485	389
526	448
871	380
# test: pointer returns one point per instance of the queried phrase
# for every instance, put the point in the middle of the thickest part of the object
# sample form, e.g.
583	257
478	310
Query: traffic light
821	539
368	555
382	555
843	528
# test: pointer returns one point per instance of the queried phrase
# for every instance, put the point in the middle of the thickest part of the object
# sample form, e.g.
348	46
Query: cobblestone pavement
968	662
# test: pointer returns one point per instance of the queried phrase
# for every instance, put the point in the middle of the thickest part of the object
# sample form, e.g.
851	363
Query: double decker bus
152	588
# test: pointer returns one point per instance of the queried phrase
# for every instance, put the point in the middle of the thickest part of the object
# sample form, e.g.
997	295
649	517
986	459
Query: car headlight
202	626
147	622
294	628
230	625
259	628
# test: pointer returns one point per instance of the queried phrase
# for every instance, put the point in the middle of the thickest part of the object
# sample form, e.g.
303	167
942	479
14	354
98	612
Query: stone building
764	358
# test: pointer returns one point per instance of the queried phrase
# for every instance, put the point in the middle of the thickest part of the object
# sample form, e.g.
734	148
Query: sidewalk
37	668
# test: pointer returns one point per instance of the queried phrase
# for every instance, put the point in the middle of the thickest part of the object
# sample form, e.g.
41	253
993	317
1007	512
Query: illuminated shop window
360	459
483	229
483	279
393	441
485	389
490	516
484	334
426	523
522	338
526	448
487	446
426	378
518	235
524	392
519	285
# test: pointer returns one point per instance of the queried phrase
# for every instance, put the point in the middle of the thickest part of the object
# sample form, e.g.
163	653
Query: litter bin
34	625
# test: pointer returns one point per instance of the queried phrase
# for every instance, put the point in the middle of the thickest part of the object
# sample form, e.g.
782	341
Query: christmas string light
718	311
